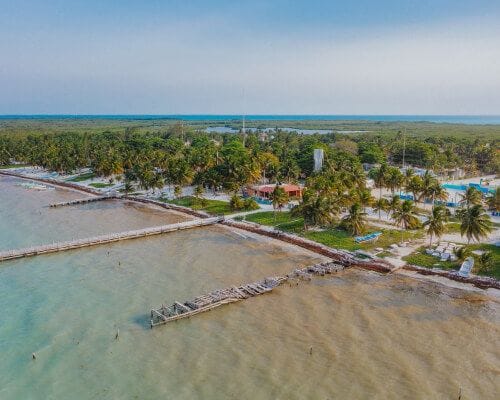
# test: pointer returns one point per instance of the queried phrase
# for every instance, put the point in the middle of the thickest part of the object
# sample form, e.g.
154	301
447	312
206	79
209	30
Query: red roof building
264	191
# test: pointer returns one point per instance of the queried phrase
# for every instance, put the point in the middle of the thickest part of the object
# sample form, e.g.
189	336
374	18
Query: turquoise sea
355	335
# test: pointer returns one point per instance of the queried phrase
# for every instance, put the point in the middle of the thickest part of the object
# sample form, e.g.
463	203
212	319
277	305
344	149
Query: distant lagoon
449	119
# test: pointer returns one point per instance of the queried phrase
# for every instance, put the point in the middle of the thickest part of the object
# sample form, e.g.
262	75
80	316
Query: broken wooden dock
232	294
85	200
103	239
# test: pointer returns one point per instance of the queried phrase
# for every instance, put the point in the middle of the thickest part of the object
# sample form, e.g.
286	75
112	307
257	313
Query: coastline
343	257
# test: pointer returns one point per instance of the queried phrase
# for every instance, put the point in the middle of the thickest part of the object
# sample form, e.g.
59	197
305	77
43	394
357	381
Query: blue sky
257	57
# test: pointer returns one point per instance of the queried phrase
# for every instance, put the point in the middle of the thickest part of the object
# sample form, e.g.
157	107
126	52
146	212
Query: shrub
250	204
236	203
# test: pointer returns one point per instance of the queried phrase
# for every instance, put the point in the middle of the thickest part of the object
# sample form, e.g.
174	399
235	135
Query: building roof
269	188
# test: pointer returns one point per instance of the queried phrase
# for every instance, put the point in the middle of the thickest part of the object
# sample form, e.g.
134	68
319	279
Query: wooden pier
217	298
85	200
103	239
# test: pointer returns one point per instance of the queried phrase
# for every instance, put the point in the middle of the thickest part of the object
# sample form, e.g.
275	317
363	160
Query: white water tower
318	159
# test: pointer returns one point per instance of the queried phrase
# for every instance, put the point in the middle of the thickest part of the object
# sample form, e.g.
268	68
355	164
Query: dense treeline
181	155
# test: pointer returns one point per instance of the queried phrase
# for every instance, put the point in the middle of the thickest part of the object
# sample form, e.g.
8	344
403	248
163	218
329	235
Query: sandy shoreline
437	277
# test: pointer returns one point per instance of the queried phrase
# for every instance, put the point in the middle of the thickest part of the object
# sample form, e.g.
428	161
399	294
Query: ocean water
451	119
356	335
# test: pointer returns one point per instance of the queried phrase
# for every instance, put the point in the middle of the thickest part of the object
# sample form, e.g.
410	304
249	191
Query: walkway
112	237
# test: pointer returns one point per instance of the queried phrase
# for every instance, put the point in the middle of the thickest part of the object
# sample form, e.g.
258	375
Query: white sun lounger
466	267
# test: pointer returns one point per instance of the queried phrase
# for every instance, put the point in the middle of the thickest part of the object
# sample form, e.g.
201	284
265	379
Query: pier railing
108	238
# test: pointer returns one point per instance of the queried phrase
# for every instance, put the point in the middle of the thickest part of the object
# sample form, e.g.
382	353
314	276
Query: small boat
367	238
466	267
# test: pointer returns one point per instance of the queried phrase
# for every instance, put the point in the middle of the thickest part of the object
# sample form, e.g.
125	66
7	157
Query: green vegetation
100	185
334	236
422	259
82	177
210	206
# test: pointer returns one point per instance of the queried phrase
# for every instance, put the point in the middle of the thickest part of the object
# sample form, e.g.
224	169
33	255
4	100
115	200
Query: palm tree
380	205
428	186
279	198
437	192
414	186
355	221
404	216
394	179
475	223
379	176
394	204
494	200
435	223
463	252
365	198
472	196
317	208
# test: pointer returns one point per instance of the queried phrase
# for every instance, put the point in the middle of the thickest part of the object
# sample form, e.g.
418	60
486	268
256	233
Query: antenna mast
404	146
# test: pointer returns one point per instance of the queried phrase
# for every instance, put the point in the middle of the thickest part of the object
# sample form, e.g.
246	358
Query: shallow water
372	336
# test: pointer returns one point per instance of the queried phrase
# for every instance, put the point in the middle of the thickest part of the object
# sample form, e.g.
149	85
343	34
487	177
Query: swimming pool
464	187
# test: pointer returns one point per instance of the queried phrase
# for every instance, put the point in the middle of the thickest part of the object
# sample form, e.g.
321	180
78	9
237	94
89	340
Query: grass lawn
333	237
100	185
453	227
82	177
424	260
421	259
211	206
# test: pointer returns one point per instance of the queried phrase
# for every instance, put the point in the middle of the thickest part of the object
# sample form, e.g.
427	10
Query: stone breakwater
345	258
482	282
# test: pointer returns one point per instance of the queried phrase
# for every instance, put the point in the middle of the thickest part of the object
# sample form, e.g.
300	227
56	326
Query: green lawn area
453	227
100	185
211	206
333	237
82	177
421	259
424	260
13	166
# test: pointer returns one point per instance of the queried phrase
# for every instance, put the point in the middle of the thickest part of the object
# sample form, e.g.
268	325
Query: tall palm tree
279	197
436	222
471	197
414	186
437	192
394	204
355	221
365	198
380	205
379	176
475	223
317	208
429	183
394	179
404	216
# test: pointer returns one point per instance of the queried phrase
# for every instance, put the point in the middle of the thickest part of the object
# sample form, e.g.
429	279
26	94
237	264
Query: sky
254	57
